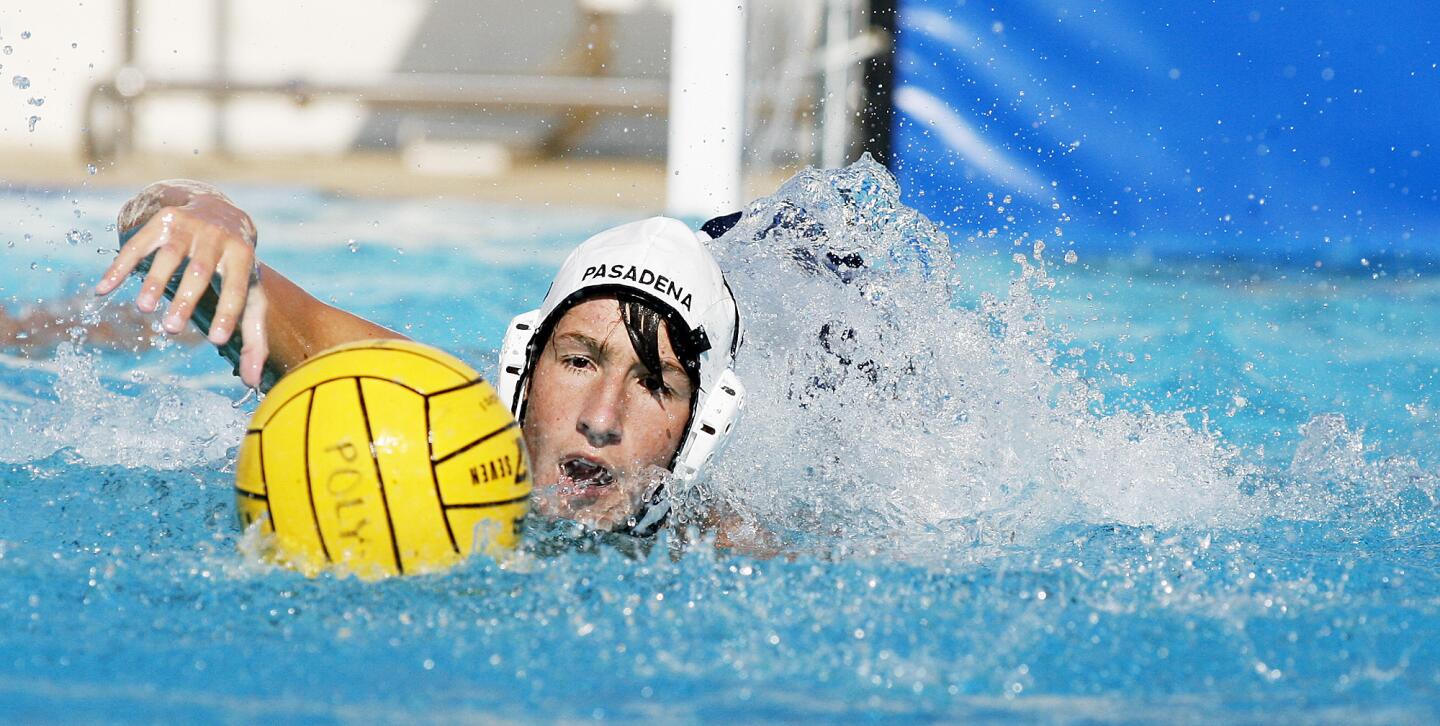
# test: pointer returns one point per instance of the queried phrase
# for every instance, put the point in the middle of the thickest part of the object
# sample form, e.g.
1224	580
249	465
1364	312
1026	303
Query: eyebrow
600	350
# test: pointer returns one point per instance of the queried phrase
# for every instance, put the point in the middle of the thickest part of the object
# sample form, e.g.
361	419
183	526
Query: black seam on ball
453	389
309	486
482	505
437	361
380	480
435	478
474	443
265	482
318	384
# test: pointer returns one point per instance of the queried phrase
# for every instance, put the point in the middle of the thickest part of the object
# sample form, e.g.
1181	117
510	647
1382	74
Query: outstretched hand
206	234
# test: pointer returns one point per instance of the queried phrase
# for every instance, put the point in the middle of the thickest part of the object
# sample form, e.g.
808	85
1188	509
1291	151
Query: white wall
74	44
58	72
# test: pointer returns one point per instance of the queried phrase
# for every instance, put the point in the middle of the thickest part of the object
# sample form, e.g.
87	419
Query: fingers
174	235
234	284
193	284
256	348
143	243
167	259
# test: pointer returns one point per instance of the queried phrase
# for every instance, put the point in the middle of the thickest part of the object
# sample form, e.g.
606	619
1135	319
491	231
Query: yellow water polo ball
383	457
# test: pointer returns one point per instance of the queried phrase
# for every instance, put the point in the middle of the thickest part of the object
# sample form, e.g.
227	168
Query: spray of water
1336	477
885	410
132	422
880	405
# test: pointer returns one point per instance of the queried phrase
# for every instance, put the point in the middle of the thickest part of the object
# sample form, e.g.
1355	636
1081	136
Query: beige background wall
74	44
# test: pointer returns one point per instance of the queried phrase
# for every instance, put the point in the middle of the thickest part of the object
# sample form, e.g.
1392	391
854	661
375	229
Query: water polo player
622	378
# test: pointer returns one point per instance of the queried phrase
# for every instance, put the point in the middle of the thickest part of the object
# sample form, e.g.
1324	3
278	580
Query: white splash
1335	476
878	408
161	427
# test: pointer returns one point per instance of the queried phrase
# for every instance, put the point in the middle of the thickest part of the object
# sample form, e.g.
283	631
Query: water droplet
74	45
1071	257
76	236
7	50
37	102
352	245
90	168
25	35
34	120
20	82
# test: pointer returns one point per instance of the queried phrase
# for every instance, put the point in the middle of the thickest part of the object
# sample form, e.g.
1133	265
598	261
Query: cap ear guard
710	425
709	430
514	357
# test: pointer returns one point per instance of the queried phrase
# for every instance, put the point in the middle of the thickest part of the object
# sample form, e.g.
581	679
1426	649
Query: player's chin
550	504
608	512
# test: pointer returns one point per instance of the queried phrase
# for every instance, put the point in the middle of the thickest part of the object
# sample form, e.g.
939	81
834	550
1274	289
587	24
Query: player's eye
578	362
656	386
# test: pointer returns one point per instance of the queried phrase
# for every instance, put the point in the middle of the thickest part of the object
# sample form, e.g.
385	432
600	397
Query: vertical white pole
707	107
222	76
835	133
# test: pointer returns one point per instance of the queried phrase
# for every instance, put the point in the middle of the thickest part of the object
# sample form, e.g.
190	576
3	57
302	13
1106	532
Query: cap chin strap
715	414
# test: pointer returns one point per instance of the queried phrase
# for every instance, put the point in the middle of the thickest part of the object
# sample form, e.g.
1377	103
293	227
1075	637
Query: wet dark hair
642	324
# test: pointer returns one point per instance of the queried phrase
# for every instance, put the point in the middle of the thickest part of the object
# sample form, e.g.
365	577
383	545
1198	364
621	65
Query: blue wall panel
1241	129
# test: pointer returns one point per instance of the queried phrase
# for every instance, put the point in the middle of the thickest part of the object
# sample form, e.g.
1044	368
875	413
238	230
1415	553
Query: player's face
598	424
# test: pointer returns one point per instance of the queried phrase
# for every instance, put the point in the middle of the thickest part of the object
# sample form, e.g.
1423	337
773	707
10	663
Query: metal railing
109	125
808	92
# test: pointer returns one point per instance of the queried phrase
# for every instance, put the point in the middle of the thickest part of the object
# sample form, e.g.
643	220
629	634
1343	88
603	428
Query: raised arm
188	233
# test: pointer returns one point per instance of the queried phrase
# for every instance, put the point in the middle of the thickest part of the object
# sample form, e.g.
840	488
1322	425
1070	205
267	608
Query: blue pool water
1056	487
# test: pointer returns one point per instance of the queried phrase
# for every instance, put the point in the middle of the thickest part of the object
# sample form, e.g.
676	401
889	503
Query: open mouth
582	473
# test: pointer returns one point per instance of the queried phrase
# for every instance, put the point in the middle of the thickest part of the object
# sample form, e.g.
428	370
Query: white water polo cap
663	263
